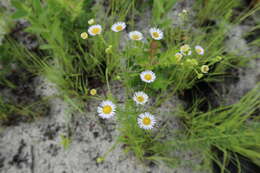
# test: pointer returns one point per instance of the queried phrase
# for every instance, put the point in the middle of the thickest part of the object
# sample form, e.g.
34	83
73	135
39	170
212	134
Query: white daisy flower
106	109
119	26
135	35
146	121
148	76
185	49
199	50
140	97
156	33
95	30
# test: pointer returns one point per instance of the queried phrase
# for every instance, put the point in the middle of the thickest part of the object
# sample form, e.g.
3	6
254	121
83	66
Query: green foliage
233	128
214	9
65	142
10	110
70	62
160	9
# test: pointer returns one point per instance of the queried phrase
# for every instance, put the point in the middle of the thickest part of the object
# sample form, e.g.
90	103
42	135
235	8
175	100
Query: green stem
108	86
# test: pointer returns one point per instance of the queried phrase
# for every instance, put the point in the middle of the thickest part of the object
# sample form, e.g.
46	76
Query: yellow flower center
107	109
95	31
148	76
155	34
140	98
119	28
199	50
135	37
146	121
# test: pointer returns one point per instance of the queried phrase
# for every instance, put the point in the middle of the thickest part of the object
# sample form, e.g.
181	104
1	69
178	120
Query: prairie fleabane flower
185	49
135	35
204	69
178	57
84	35
147	76
199	50
156	33
146	121
140	97
119	26
93	92
95	30
91	21
106	109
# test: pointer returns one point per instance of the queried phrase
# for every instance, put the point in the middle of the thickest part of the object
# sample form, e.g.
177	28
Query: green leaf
160	83
46	46
19	14
17	4
37	30
37	6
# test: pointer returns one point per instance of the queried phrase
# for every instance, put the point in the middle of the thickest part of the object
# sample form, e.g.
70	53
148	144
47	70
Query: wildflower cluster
145	120
107	108
186	50
96	29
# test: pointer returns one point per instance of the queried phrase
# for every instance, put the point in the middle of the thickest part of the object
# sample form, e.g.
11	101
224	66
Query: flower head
178	57
185	49
119	26
199	50
135	35
95	30
93	92
106	109
140	97
109	49
148	76
146	121
91	21
204	69
84	35
156	33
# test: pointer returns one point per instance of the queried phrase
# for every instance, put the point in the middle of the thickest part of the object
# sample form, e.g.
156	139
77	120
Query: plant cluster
80	50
